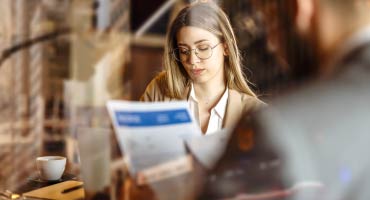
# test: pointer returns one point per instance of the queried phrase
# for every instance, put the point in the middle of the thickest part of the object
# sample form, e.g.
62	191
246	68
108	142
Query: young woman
202	65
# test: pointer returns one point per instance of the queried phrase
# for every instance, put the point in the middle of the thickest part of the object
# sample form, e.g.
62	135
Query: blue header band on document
152	118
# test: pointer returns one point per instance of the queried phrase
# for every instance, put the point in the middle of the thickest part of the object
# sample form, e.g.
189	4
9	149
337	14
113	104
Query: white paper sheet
150	134
208	149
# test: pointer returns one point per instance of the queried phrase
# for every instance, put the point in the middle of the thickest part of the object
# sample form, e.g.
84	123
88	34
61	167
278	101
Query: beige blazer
237	103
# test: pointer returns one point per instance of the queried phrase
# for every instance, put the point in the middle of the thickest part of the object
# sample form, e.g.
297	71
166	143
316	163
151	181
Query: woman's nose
193	58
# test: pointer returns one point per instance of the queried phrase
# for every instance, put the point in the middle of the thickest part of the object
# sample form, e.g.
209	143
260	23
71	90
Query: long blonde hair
210	17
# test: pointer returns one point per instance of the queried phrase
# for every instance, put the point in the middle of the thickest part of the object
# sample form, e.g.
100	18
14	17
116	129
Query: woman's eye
203	48
183	51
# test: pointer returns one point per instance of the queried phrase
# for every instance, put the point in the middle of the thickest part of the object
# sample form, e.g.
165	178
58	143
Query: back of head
298	52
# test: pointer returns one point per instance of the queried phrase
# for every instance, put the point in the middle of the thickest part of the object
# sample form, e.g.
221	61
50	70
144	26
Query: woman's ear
305	9
226	49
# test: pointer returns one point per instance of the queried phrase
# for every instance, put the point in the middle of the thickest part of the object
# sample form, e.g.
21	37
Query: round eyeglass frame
174	53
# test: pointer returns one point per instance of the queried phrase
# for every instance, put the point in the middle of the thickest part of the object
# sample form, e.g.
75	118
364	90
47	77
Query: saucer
65	177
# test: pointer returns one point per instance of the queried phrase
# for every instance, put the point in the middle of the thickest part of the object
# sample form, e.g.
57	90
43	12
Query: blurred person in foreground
203	66
312	143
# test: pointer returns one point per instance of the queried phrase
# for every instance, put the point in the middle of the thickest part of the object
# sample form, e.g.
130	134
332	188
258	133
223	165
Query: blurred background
61	60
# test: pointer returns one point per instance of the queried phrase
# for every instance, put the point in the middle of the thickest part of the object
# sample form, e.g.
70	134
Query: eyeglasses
203	52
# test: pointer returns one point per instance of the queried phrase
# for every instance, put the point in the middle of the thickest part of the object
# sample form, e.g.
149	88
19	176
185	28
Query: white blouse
217	112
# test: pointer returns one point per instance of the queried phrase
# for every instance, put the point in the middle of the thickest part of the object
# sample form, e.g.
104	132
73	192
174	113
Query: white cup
51	168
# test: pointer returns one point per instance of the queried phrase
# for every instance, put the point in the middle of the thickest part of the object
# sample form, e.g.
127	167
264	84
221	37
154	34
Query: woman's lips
197	72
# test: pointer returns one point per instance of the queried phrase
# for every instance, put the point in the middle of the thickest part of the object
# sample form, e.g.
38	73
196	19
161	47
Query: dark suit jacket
323	132
311	144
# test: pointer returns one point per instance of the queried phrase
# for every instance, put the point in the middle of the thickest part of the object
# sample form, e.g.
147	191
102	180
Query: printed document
153	134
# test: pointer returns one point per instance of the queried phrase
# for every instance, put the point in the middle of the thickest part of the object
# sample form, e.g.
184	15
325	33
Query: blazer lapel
234	109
